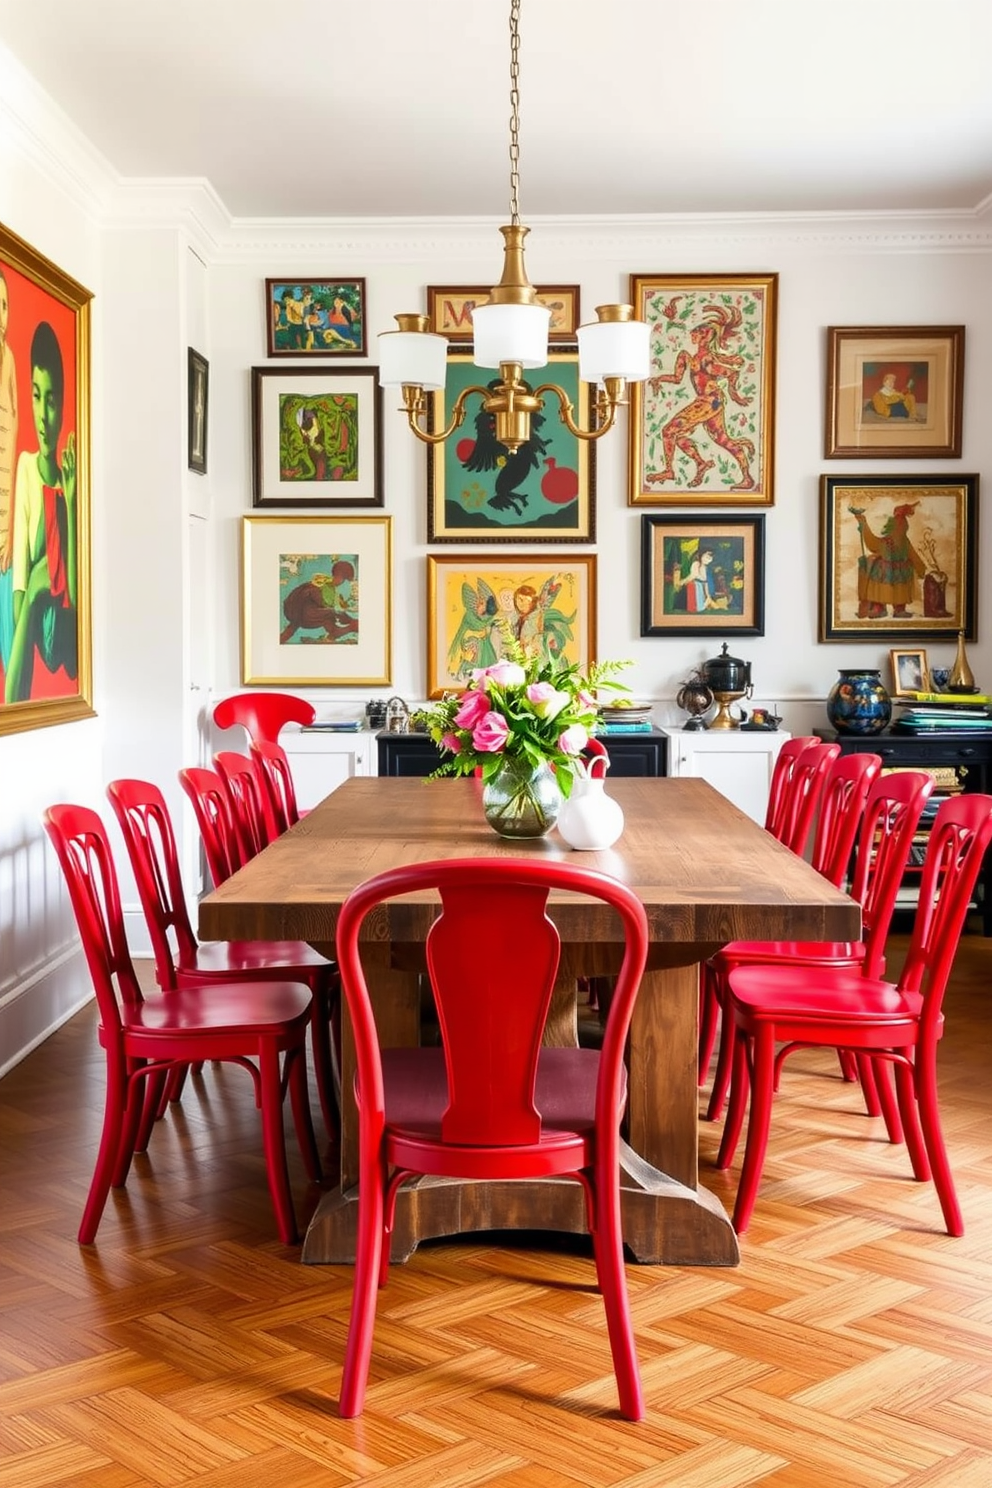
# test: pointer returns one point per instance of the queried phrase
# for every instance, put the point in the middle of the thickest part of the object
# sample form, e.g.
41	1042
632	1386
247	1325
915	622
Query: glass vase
520	799
858	703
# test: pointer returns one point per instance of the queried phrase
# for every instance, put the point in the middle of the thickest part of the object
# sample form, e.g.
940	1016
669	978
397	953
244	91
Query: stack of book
635	719
940	713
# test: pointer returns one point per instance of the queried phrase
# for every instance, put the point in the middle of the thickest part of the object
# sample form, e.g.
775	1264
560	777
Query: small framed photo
702	427
544	492
898	557
197	388
449	309
910	673
315	601
315	317
476	600
894	392
702	576
316	436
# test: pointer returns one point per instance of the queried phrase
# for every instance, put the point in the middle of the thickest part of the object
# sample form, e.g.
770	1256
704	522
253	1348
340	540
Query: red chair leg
368	1257
849	1069
865	1072
724	1059
274	1143
739	1086
758	1125
709	1018
106	1162
153	1106
608	1249
296	1069
909	1109
323	1062
925	1071
879	1099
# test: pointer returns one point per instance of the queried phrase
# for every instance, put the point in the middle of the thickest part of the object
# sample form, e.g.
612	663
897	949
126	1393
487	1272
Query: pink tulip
573	740
473	708
452	743
490	736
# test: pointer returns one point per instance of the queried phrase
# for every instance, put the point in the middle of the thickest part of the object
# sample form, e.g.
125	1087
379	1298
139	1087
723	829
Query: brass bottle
962	678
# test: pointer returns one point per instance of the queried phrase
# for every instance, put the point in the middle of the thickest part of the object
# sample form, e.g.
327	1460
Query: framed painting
316	437
315	317
702	427
316	597
894	392
898	556
449	309
702	576
474	601
910	673
197	388
45	618
544	492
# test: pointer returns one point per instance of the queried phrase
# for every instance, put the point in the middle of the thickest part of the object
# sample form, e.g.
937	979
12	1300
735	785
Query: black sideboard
968	755
633	754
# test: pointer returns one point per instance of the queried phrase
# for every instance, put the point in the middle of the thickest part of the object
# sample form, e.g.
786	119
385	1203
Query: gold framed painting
316	597
450	306
475	601
894	392
898	557
910	673
702	427
45	619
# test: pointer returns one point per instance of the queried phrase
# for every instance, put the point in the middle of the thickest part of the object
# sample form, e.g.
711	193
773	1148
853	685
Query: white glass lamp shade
614	348
417	358
511	333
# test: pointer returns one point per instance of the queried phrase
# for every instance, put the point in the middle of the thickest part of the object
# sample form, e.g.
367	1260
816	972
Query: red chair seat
742	952
249	958
792	999
235	1008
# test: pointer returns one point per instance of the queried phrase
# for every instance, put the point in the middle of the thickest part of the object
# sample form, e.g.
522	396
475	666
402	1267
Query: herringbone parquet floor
851	1349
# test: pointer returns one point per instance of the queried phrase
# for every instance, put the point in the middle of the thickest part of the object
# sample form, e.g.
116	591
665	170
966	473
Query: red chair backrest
221	838
892	813
263	714
249	807
842	804
492	989
778	791
959	837
276	780
83	849
803	794
151	847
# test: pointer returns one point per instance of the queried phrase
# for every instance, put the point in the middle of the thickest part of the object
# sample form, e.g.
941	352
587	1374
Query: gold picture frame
910	672
894	392
450	306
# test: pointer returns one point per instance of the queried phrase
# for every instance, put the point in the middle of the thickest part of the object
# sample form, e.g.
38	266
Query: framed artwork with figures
894	392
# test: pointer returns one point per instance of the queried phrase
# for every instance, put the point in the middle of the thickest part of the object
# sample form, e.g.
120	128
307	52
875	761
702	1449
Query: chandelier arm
457	415
606	409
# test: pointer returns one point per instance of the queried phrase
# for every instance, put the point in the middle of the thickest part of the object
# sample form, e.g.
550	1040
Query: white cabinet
321	760
737	764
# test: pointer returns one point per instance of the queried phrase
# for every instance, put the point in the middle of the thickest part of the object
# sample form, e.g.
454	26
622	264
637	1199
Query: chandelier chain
514	111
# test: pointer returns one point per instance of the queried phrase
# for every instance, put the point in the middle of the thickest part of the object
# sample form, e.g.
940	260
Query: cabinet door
321	764
739	767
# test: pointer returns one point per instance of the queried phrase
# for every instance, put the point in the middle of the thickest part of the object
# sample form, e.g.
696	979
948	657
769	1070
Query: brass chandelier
510	331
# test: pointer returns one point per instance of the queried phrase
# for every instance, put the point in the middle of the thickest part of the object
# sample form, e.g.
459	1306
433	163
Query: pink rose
573	740
506	674
490	736
546	700
452	743
473	708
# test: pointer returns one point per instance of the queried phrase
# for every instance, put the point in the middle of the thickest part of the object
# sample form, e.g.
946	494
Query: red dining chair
222	844
253	820
491	1103
777	811
802	795
276	780
841	806
899	1023
886	828
183	961
263	714
260	1028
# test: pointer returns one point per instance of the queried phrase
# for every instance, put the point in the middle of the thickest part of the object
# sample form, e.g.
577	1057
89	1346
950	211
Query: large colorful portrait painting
474	604
702	427
44	492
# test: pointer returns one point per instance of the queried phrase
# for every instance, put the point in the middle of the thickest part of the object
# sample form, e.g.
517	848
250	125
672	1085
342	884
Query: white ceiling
369	108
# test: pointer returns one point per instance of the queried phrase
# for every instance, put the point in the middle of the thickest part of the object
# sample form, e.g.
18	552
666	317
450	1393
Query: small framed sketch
894	392
475	601
316	436
910	673
196	411
315	601
315	317
449	309
898	557
702	576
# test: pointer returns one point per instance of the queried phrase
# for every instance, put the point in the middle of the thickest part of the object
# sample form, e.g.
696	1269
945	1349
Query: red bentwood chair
276	780
491	1103
263	714
900	1022
222	844
261	1027
183	961
780	801
250	812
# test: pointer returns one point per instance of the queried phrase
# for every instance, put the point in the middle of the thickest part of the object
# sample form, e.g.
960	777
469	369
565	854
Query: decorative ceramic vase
590	819
858	703
962	678
521	799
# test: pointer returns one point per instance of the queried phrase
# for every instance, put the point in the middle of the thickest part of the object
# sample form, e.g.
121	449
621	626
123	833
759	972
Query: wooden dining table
706	875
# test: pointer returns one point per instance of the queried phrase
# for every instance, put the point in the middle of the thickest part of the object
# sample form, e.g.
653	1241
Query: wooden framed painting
702	576
544	492
702	427
315	317
898	556
475	601
316	599
45	618
197	388
449	309
910	673
894	392
316	436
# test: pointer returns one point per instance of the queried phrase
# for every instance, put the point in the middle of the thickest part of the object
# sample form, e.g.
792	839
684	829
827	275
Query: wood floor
853	1346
